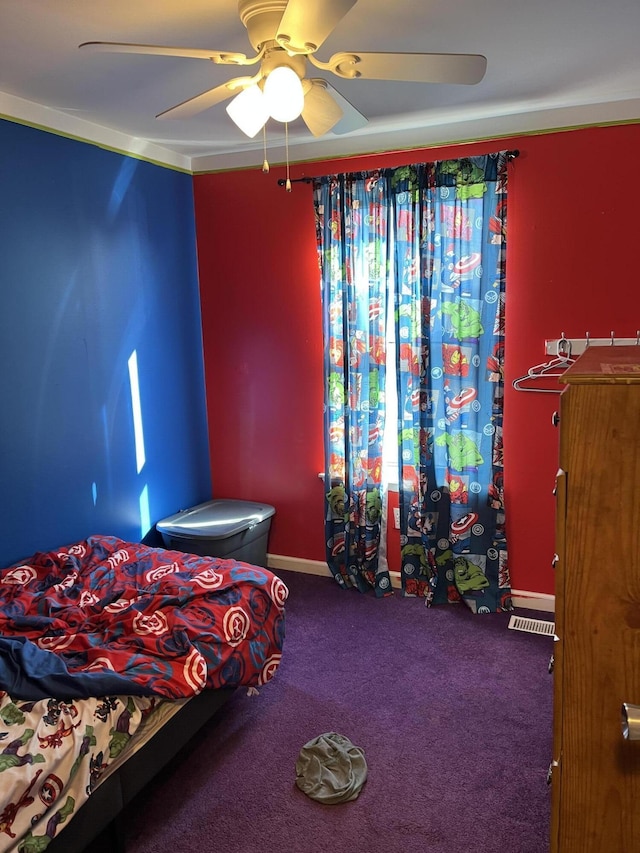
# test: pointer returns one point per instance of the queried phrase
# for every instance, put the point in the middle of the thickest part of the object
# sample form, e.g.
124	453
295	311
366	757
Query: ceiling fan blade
321	110
218	56
305	25
207	99
352	119
412	67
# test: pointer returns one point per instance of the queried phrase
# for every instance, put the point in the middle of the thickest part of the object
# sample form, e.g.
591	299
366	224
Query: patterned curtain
352	215
450	244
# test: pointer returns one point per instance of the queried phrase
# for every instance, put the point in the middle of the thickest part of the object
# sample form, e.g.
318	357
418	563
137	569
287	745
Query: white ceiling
551	64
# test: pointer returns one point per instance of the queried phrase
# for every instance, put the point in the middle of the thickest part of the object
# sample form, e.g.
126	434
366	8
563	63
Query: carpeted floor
453	712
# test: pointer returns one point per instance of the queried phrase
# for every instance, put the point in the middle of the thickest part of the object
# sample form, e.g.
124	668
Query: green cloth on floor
331	769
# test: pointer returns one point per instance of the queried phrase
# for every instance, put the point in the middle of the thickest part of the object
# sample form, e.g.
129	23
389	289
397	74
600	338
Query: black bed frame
99	816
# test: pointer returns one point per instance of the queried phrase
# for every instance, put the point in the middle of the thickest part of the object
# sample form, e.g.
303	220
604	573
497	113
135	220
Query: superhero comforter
106	617
91	637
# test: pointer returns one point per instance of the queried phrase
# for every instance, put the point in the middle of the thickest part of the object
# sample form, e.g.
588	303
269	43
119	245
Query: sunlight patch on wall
121	185
137	410
145	515
138	432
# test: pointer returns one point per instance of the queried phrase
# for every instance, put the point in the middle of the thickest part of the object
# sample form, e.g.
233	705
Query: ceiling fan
285	35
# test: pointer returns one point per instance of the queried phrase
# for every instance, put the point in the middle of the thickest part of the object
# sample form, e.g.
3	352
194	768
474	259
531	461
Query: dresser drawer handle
555	419
630	721
555	560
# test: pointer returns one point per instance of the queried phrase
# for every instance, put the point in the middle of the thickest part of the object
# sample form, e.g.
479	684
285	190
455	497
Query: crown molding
44	118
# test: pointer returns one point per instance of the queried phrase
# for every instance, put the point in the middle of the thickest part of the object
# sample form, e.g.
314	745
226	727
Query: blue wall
97	261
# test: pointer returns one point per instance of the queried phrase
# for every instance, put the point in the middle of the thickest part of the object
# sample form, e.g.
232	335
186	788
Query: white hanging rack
579	345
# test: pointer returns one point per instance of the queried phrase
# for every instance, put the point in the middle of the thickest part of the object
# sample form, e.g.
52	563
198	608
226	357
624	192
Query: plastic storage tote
229	529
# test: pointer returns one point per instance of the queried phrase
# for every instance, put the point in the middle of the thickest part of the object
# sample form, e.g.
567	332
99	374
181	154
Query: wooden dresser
595	774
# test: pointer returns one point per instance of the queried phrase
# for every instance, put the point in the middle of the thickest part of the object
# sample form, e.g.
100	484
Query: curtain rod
282	181
511	155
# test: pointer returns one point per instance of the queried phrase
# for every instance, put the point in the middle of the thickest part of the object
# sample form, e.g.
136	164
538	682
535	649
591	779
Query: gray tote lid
216	519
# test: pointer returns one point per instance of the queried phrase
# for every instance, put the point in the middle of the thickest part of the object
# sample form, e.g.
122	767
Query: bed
112	655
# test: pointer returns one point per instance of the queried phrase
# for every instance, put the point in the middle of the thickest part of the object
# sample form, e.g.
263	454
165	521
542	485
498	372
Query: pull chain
265	162
287	185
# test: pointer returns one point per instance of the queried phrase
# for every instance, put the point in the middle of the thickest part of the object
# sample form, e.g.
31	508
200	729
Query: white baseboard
534	600
521	598
298	564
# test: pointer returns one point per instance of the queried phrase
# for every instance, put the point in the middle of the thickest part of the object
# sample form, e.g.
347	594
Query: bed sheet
52	756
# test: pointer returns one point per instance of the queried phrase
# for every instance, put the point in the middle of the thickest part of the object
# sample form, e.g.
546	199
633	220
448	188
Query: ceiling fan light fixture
283	94
249	110
285	35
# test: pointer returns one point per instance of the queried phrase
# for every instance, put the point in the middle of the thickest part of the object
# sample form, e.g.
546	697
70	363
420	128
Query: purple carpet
453	712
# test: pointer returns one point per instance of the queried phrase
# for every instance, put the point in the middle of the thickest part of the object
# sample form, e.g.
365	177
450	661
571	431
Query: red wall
573	224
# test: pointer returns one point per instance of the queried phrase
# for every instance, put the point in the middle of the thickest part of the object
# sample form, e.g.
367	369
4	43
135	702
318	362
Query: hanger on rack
555	367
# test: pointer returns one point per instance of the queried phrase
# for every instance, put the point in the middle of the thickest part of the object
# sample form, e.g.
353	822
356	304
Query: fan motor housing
261	18
276	55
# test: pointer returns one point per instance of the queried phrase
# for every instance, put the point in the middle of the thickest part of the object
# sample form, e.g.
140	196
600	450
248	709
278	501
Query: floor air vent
532	626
